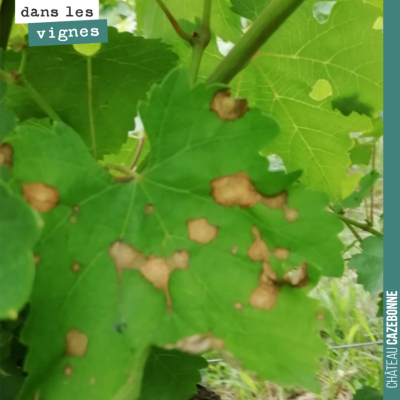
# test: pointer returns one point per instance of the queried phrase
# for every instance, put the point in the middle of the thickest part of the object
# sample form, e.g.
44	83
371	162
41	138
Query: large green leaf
369	264
97	312
19	231
299	72
171	375
97	95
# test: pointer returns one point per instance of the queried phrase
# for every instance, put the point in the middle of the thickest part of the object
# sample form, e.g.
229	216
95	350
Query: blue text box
68	32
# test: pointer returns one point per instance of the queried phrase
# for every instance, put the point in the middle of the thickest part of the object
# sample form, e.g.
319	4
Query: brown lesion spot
281	253
75	267
234	190
234	250
76	343
238	190
258	251
149	209
275	202
156	270
41	197
265	295
125	256
68	371
227	108
238	306
6	155
36	259
297	277
201	231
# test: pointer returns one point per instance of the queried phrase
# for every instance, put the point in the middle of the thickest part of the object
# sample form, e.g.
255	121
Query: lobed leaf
369	265
166	260
97	95
303	77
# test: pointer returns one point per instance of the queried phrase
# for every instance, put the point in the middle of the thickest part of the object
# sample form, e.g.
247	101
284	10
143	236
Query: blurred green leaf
369	264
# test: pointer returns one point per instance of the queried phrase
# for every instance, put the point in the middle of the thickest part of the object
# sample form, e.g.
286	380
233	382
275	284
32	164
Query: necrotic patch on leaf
258	251
125	256
297	277
265	294
75	343
6	155
234	190
201	231
156	271
280	253
41	197
275	202
290	214
238	306
234	250
178	260
198	344
226	108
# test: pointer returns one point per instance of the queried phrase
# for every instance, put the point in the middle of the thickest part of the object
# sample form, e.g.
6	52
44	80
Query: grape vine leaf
176	375
342	55
19	231
368	393
369	265
363	190
89	294
96	95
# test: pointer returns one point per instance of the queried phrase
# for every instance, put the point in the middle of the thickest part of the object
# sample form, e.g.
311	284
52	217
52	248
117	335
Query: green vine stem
201	41
276	12
178	29
7	11
364	226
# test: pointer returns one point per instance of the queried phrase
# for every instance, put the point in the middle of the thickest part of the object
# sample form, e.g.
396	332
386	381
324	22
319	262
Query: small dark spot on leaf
320	316
148	209
6	155
68	371
226	108
36	259
75	267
